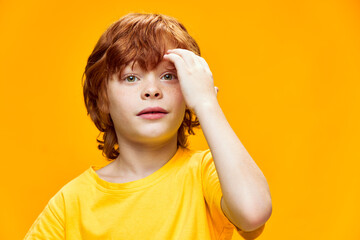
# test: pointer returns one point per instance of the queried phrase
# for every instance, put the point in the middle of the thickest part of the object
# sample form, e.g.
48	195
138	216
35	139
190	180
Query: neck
139	159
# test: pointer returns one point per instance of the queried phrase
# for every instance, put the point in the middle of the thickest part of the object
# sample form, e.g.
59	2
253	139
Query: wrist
205	107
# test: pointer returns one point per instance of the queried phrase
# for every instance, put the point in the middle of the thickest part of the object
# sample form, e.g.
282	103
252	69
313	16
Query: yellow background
288	74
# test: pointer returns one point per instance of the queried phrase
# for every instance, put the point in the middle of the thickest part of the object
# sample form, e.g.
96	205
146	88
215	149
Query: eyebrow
136	67
170	67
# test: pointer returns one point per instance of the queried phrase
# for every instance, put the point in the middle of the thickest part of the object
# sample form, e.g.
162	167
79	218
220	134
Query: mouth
152	115
152	111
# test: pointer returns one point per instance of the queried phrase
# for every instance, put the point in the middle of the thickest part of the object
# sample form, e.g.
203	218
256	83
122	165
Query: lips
152	110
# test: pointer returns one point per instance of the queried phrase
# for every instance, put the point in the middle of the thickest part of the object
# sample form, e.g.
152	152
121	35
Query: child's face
137	90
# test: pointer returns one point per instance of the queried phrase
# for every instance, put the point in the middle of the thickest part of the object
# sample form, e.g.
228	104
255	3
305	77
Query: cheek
120	103
180	104
177	93
179	100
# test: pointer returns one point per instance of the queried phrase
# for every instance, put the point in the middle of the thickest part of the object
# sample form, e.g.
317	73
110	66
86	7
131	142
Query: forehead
163	64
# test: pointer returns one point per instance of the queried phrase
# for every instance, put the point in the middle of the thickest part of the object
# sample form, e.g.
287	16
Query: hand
195	77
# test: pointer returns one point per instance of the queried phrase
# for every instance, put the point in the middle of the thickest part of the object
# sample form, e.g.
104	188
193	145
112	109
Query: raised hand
195	77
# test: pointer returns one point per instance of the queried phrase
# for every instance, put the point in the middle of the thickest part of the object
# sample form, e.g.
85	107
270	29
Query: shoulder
196	156
74	186
197	153
199	161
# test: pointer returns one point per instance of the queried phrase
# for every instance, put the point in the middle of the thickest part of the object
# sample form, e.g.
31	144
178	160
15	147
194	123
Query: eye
131	78
169	75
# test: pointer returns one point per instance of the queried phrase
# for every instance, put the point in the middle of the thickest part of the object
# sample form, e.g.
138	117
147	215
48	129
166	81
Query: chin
157	134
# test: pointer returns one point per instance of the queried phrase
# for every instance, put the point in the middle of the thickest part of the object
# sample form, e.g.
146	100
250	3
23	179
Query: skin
146	146
246	197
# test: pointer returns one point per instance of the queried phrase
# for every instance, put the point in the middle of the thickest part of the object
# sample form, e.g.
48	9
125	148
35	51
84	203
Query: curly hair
137	37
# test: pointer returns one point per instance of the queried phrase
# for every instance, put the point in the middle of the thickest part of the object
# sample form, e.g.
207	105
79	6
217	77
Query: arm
245	189
252	234
246	195
246	235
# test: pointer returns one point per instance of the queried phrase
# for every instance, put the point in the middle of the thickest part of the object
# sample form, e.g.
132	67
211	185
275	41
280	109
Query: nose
152	90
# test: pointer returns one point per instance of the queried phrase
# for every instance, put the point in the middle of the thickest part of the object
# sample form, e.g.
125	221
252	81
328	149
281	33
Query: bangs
145	41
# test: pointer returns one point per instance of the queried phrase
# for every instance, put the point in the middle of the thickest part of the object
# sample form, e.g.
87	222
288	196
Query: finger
205	64
177	60
188	56
202	60
198	62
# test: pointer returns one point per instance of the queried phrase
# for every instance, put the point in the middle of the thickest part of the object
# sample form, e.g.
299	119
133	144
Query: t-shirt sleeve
213	194
50	224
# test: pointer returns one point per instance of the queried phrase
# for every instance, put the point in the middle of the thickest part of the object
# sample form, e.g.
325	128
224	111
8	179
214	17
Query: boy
145	84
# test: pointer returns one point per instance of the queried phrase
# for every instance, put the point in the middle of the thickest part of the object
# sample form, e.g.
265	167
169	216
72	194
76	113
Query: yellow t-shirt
181	200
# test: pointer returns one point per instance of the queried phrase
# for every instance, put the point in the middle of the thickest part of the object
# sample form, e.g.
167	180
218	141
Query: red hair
137	37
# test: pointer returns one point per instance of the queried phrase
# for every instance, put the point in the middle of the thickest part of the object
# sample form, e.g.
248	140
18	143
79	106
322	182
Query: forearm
245	189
